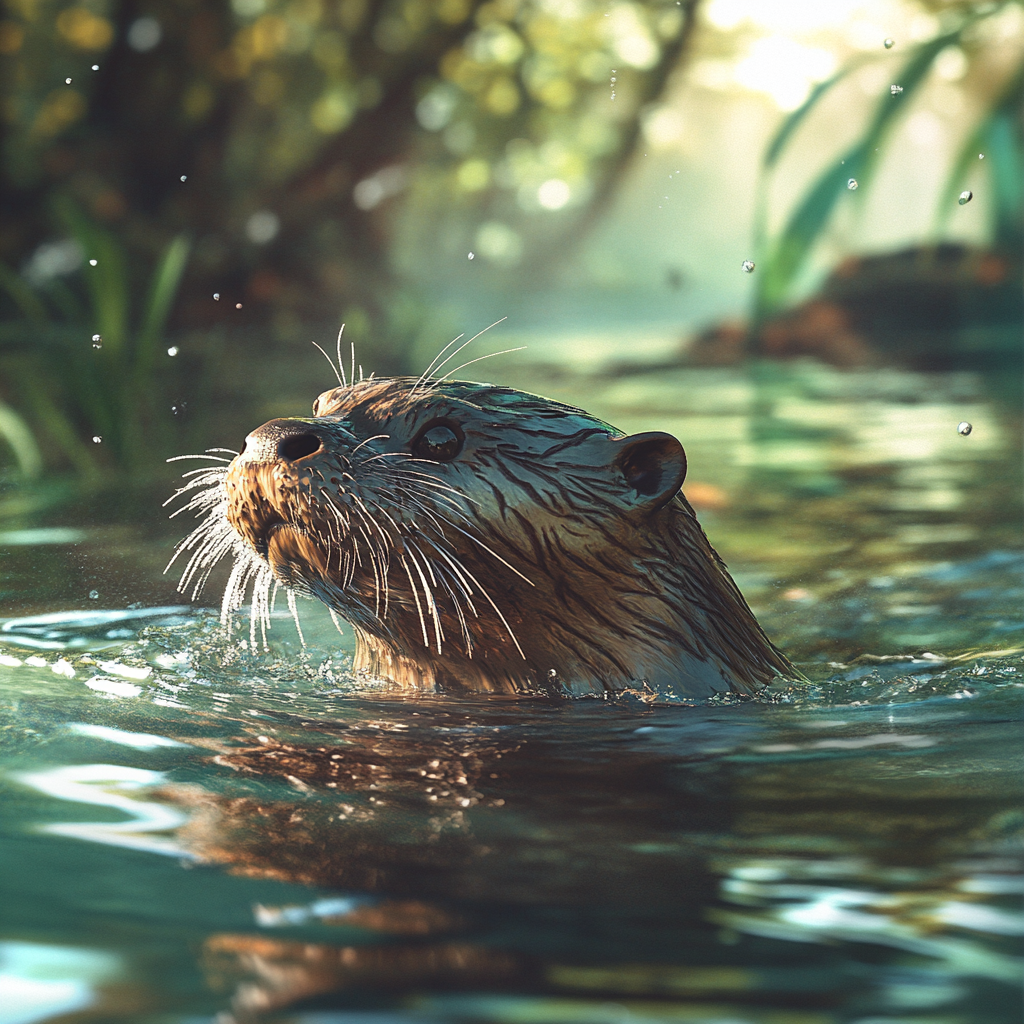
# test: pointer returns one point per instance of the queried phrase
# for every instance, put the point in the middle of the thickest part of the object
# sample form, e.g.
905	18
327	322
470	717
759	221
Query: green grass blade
107	281
32	307
796	118
995	138
39	396
786	255
18	435
163	288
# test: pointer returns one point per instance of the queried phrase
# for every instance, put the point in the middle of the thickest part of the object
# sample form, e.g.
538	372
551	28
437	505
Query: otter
478	538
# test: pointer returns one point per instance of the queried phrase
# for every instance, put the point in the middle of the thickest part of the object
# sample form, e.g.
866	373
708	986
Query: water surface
197	831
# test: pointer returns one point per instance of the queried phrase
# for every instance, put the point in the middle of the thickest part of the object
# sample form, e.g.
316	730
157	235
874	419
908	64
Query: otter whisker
457	605
344	382
376	437
335	620
208	454
436	370
416	598
489	600
330	364
426	373
427	594
488	549
479	359
293	608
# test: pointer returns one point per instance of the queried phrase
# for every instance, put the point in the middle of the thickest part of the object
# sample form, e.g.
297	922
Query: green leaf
785	256
162	290
31	306
107	281
16	432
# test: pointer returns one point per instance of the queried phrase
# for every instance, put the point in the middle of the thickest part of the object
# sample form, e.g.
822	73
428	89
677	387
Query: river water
193	831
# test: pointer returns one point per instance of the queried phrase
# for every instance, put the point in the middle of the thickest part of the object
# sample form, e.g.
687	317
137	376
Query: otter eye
439	443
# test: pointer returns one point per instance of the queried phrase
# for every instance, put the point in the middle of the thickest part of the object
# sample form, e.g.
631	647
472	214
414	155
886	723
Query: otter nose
286	440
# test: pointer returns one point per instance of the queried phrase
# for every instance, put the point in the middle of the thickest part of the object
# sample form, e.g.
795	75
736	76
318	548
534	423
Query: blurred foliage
83	370
784	254
281	132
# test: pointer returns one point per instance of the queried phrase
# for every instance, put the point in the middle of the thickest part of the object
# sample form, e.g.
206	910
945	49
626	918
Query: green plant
782	256
71	387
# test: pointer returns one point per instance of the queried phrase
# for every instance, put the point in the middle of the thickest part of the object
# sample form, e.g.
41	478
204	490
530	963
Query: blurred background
194	192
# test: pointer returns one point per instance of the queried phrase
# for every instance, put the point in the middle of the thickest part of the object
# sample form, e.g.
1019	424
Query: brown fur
551	553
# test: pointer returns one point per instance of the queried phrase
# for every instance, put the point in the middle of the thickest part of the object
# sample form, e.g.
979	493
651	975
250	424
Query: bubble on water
179	409
981	156
97	341
92	263
471	256
184	177
852	184
963	428
216	296
748	266
172	351
895	89
94	595
95	67
67	81
238	305
965	197
96	439
889	43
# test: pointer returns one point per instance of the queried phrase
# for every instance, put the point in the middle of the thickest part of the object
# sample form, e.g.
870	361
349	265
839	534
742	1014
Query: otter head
480	537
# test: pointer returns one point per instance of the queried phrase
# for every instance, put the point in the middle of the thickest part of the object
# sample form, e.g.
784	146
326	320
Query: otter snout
281	441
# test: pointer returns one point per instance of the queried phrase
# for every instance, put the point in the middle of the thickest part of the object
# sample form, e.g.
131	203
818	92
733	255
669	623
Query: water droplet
92	263
472	256
965	197
97	341
852	184
238	305
748	266
67	81
216	296
95	67
184	177
94	595
179	409
96	439
895	89
889	43
172	351
964	428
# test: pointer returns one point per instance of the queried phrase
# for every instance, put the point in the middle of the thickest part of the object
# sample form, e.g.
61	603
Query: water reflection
845	850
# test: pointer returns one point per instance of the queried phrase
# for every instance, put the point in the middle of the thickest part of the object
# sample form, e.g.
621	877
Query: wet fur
529	562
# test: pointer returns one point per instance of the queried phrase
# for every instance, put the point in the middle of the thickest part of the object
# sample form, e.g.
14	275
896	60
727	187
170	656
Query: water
196	831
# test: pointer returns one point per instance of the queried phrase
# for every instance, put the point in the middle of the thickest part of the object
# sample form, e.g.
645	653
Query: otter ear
653	467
